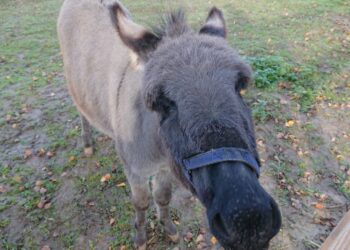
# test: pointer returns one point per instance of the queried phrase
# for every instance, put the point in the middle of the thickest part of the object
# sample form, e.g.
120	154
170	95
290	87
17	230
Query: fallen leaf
121	184
111	221
72	158
39	183
2	189
213	240
27	153
17	178
50	154
8	118
200	238
202	245
41	203
105	178
122	247
176	222
290	123
47	205
307	174
41	152
323	197
188	236
14	125
319	206
280	135
340	157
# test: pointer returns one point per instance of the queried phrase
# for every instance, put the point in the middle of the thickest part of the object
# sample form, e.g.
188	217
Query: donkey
170	99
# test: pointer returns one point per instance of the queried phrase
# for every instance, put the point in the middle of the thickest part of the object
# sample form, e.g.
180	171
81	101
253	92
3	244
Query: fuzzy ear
244	76
136	37
215	24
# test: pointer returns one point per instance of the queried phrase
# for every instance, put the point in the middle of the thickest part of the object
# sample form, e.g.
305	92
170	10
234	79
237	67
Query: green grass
298	50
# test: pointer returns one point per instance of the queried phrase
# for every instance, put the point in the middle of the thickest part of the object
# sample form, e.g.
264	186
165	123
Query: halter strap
220	155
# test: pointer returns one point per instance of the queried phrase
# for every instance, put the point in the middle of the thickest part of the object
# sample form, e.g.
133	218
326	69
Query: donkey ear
215	24
136	37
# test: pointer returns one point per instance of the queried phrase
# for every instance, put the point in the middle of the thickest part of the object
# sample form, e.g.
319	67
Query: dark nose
242	215
245	227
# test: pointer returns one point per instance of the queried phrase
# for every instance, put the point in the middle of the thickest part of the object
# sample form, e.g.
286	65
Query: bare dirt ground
51	195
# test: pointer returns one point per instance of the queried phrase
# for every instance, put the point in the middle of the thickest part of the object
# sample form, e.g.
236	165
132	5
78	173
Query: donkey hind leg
140	199
162	195
87	136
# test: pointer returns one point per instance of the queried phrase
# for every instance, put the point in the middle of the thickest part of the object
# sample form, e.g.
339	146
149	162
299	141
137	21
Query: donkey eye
164	107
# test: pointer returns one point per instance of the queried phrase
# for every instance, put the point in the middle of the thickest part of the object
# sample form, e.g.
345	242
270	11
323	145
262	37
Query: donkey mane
172	25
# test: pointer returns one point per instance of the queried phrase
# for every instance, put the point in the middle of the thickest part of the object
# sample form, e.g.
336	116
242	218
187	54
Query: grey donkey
170	99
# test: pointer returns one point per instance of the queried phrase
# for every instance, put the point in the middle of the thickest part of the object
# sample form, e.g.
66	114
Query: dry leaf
319	206
27	153
307	174
290	123
46	248
39	183
105	178
188	236
8	118
41	152
47	205
121	184
176	222
213	240
323	197
50	154
2	189
72	158
41	204
200	238
17	178
111	221
340	157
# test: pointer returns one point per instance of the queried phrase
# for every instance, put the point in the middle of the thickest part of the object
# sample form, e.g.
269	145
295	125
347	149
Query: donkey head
193	81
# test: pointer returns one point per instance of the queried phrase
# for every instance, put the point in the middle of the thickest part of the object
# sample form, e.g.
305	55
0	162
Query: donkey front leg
162	196
140	199
87	136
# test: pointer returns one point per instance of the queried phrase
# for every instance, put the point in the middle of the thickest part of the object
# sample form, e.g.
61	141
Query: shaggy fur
165	95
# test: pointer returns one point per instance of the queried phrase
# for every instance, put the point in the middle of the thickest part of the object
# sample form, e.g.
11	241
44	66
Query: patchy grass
300	102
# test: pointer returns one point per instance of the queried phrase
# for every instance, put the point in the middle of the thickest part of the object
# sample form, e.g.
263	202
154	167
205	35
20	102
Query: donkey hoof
142	247
175	237
88	151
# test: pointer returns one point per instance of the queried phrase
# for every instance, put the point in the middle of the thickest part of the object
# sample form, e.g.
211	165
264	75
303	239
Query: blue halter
220	155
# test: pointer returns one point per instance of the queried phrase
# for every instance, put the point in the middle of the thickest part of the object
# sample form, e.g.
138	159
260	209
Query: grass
299	51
